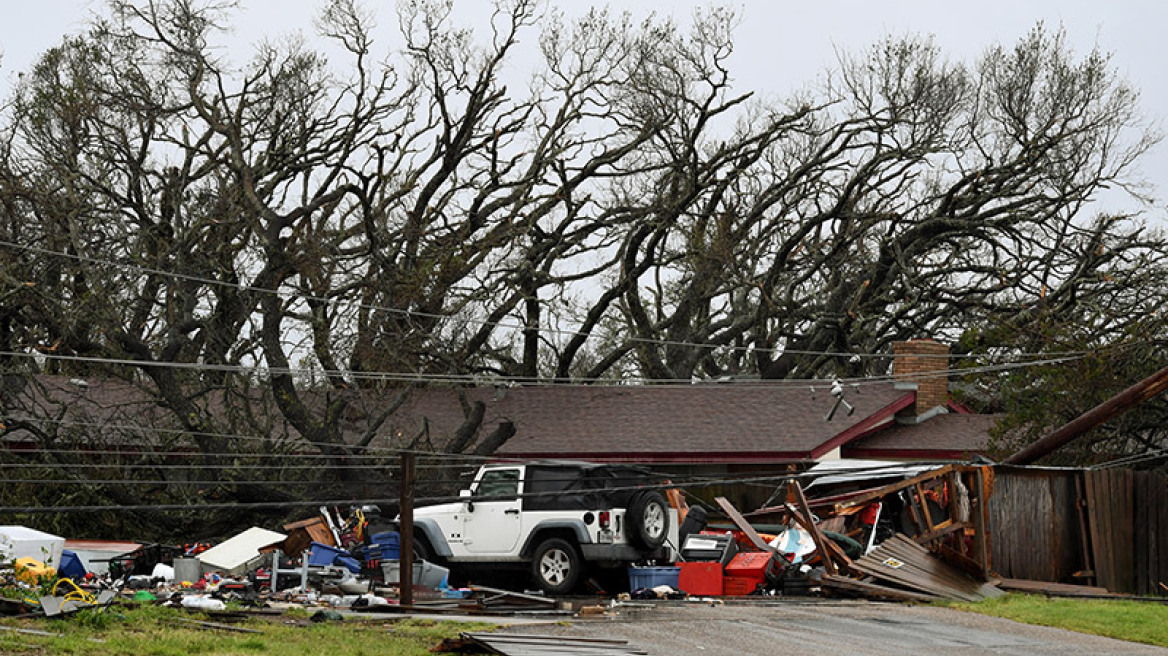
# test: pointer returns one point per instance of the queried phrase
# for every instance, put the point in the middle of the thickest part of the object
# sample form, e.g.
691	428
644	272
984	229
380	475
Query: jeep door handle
512	511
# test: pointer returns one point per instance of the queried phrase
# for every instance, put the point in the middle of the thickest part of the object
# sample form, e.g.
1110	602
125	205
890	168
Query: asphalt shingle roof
656	421
956	433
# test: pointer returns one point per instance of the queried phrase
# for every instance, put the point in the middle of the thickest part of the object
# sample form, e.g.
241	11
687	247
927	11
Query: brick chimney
917	364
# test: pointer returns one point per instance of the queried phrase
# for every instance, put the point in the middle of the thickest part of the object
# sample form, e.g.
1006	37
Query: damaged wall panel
1111	509
1034	524
1151	533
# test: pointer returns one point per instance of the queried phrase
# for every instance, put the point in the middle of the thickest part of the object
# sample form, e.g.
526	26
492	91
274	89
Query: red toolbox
700	578
733	586
756	566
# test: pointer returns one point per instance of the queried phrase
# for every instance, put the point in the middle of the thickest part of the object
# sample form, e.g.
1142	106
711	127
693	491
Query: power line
231	467
527	382
192	453
517	326
1134	459
171	483
776	479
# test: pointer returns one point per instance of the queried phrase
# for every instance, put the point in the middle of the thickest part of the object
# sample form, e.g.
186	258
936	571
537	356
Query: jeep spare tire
647	520
555	566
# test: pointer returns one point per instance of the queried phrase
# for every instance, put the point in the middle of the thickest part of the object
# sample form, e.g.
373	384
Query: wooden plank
1161	557
933	567
980	507
906	563
816	534
1053	589
510	644
923	502
893	487
873	590
1066	555
1084	534
958	560
1142	542
1162	531
941	530
743	525
1125	530
836	551
1106	544
1096	519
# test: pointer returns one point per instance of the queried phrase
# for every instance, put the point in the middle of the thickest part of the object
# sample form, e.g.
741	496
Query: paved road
828	628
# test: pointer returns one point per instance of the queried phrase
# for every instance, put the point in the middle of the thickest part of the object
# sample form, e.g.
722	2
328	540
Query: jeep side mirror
466	495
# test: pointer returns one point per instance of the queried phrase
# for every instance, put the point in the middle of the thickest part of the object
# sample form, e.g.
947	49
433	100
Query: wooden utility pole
1118	404
406	557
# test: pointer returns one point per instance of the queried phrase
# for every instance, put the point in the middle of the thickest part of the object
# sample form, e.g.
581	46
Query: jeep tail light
605	518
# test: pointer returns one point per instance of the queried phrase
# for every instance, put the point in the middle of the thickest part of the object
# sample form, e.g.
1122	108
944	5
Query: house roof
665	424
731	423
952	436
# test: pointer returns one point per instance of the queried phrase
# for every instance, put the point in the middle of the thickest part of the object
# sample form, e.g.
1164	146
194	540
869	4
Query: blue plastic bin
71	566
322	555
384	546
349	562
651	577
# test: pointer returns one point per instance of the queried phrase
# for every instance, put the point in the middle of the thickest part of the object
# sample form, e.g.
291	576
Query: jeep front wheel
556	566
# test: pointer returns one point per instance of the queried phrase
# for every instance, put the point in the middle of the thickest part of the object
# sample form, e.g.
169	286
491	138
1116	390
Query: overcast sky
780	44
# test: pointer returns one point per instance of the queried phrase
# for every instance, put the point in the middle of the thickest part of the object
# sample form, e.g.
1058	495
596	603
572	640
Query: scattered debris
1054	589
903	562
512	644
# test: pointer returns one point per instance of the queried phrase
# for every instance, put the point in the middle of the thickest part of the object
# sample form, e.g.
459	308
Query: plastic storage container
72	567
322	555
348	562
651	577
426	574
384	546
706	547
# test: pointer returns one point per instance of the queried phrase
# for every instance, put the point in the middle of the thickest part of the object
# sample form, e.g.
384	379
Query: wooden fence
1104	527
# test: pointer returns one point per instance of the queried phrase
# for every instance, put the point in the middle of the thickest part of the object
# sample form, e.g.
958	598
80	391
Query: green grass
155	631
1134	621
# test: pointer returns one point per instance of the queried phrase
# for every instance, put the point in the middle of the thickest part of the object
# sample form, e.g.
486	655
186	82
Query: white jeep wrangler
559	518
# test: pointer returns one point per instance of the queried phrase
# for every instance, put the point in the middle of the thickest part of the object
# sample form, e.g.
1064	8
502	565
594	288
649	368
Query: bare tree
328	227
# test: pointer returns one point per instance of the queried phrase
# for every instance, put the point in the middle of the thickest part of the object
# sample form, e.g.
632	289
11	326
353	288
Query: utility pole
406	557
1118	404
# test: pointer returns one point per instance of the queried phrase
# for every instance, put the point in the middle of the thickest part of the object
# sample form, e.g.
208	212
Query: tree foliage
330	220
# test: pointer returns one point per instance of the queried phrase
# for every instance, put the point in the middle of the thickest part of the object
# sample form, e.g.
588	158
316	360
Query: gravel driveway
828	628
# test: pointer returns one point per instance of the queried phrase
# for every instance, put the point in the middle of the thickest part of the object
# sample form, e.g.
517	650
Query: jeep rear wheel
648	519
556	566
